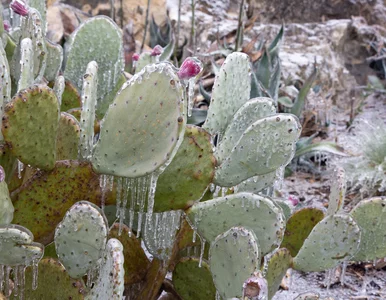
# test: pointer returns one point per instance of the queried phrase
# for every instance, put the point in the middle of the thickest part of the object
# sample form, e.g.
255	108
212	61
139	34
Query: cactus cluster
93	164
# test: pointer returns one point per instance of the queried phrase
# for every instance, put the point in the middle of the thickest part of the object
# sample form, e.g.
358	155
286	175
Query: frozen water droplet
20	168
34	275
202	251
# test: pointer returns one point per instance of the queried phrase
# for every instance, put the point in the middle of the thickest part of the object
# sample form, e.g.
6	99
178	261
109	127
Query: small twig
240	25
375	58
146	24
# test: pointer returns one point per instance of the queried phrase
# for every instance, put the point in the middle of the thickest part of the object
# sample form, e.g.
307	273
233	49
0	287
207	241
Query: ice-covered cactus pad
144	126
213	217
233	257
80	238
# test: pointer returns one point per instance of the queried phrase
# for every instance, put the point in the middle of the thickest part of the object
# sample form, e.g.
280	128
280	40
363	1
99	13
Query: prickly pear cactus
266	145
81	238
5	86
144	126
30	126
213	217
87	118
54	60
17	246
275	267
110	282
26	65
299	226
230	92
369	214
233	257
67	138
338	191
192	279
333	240
6	206
189	174
53	282
253	110
85	45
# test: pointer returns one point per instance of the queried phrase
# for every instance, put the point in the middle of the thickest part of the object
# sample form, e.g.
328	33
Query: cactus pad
136	262
233	257
30	126
189	174
253	110
193	281
52	195
85	44
81	238
243	209
298	228
70	97
266	145
17	246
333	240
370	215
257	183
53	283
275	267
54	60
110	283
143	126
337	192
6	206
68	137
230	91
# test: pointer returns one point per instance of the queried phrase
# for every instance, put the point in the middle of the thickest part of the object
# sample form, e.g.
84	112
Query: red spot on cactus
7	26
157	50
190	68
135	57
19	7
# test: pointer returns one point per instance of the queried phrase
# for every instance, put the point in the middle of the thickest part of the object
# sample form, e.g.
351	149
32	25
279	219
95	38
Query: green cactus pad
5	87
266	145
144	125
257	183
193	281
136	262
30	125
370	214
337	192
243	209
275	267
68	137
110	283
81	238
70	98
230	91
54	60
85	44
253	110
54	283
6	206
333	240
7	161
17	246
26	78
298	228
186	178
40	204
233	257
58	88
144	59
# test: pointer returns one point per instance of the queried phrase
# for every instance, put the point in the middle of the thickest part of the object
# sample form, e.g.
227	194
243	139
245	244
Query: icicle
343	273
7	287
224	191
125	196
15	281
191	83
131	187
142	193
34	275
329	277
150	199
21	270
20	168
118	197
111	182
1	277
218	297
216	191
89	278
202	251
103	186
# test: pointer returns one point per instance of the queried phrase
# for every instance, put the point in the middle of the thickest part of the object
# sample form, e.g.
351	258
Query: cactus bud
157	50
19	7
7	25
191	67
293	200
135	57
